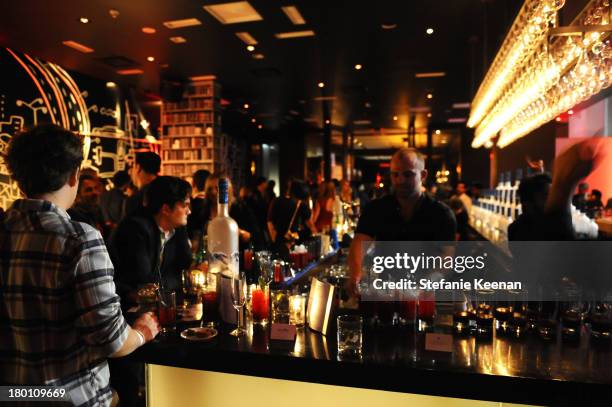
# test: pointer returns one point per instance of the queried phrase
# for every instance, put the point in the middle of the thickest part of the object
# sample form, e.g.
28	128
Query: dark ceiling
284	83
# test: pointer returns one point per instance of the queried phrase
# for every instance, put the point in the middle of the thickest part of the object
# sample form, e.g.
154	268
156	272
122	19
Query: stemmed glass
239	287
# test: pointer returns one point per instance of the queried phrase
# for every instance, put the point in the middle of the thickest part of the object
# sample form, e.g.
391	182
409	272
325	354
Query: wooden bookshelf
191	131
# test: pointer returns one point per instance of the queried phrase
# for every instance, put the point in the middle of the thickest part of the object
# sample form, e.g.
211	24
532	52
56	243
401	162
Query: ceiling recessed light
323	98
395	118
558	119
113	13
388	26
294	34
327	121
294	15
178	40
111	84
321	85
134	71
358	67
438	132
149	30
246	38
150	59
428	114
233	13
429	96
246	105
570	112
84	20
253	120
430	75
259	126
258	56
78	47
250	48
186	22
368	105
429	31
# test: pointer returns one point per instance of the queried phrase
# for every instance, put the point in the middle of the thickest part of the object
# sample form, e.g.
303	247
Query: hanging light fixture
549	77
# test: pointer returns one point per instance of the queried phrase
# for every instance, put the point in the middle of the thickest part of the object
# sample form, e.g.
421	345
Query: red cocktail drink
427	305
260	301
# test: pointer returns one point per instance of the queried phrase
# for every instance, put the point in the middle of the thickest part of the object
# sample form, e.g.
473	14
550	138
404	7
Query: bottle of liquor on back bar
223	251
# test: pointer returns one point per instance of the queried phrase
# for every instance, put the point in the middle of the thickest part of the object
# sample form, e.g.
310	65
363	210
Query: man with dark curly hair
151	246
59	312
146	166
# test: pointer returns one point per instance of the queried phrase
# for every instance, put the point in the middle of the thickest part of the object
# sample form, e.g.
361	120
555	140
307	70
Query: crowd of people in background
590	202
532	193
265	220
146	227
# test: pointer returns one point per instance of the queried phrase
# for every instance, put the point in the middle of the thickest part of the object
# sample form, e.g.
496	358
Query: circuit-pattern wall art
34	91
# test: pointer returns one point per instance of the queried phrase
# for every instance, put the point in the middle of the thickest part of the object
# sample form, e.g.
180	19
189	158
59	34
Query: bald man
407	214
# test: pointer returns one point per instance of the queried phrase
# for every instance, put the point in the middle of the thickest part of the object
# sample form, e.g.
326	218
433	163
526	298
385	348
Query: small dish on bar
199	334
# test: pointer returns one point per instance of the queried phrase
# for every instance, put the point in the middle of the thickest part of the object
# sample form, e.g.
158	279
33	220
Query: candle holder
502	320
461	323
518	325
546	324
297	310
485	299
571	323
484	326
192	283
280	306
547	329
601	328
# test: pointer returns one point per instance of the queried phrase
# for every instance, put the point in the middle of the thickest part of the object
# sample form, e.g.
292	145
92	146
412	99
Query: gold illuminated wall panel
171	387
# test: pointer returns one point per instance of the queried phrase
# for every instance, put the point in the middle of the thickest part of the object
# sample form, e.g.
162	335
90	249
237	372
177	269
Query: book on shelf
196	154
189	104
202	89
193	130
169	143
172	118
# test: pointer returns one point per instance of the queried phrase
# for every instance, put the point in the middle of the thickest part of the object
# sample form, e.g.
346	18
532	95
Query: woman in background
323	213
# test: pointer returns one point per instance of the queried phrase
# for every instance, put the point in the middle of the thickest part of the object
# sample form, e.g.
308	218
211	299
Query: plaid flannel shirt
59	314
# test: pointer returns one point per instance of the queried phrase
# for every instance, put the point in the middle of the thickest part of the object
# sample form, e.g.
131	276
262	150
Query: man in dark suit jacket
152	245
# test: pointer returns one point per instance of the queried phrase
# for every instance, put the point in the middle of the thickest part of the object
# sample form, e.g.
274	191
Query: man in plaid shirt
60	317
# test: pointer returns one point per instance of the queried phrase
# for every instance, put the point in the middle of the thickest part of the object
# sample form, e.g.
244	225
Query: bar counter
526	371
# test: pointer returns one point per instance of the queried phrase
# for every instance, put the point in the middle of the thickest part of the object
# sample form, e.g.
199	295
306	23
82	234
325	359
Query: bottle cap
223	191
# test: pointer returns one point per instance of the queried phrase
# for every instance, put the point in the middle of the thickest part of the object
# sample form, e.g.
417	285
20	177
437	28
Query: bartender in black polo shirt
407	214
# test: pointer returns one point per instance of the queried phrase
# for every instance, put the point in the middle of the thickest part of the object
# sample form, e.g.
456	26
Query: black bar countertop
528	370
